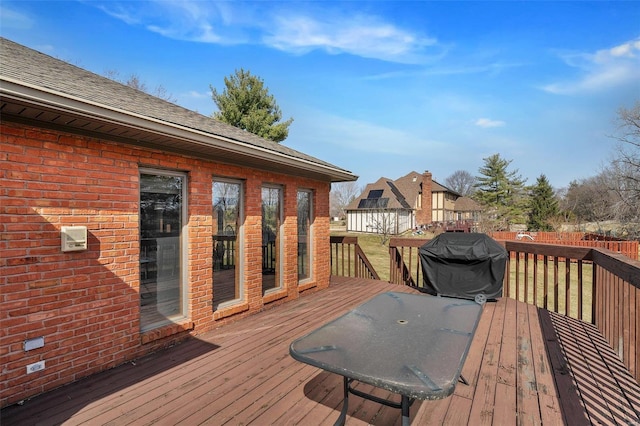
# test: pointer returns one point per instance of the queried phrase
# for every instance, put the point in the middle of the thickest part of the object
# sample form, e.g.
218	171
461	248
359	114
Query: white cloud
487	123
365	36
14	19
605	69
118	11
197	95
277	27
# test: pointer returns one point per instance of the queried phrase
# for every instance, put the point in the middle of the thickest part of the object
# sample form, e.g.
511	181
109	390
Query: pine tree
501	192
543	206
246	103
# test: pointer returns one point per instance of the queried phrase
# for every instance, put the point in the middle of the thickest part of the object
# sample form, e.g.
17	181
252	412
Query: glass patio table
409	344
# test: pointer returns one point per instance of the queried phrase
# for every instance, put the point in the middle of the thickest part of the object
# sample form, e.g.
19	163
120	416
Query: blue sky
380	88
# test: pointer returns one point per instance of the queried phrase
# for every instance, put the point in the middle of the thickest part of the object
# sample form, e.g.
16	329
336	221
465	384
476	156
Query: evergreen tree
543	206
246	103
501	192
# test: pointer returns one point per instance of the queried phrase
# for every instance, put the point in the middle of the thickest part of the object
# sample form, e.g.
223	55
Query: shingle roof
466	204
402	193
31	68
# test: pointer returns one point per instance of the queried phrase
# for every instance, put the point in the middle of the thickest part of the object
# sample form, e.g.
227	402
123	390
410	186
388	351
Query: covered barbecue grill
463	265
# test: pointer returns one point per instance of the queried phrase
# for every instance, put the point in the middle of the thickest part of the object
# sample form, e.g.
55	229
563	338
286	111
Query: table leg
345	404
405	410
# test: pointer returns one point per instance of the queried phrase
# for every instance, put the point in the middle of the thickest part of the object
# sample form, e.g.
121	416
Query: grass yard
377	253
559	280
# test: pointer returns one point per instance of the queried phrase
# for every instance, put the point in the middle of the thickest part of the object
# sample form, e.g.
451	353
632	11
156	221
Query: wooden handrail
348	259
588	283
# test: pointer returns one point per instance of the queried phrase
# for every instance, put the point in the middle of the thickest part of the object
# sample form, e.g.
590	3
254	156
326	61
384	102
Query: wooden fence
576	239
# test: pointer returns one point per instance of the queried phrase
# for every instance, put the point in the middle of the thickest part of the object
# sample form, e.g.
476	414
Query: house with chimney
410	202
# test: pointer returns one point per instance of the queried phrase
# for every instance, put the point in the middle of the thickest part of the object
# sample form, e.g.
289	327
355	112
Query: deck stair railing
595	285
348	259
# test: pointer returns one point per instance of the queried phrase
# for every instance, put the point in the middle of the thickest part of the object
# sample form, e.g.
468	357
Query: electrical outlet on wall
36	366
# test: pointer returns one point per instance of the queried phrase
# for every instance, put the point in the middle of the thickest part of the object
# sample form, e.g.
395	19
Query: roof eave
182	136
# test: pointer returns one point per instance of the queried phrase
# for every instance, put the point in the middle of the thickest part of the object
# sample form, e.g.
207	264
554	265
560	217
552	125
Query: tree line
611	195
507	201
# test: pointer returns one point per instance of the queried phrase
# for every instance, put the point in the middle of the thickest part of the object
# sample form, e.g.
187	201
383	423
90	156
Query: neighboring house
412	201
467	209
129	223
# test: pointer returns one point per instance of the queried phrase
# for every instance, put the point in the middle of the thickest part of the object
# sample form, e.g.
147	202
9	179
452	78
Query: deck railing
578	239
591	284
348	259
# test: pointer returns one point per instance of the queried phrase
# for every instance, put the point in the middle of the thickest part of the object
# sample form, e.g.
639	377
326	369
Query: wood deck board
525	366
471	368
482	409
547	395
528	403
602	380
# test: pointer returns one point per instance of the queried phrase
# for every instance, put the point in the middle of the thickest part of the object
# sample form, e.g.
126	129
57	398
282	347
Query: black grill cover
458	264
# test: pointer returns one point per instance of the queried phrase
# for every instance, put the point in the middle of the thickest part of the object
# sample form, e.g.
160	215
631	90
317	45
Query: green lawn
377	253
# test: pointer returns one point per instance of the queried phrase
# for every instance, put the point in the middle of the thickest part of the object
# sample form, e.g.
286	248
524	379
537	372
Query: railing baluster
580	290
546	282
526	277
517	275
535	280
556	284
567	284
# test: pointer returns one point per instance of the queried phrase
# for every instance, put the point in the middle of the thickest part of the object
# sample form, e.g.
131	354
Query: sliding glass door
162	212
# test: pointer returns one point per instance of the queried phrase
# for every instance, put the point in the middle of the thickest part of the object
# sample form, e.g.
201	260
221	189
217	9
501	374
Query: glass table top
411	344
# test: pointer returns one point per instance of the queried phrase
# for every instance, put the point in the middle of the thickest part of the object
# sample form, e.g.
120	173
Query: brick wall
86	304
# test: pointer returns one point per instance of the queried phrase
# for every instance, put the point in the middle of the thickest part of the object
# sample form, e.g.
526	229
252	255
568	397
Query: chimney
425	215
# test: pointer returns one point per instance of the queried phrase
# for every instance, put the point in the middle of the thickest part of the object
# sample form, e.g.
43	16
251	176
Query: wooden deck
525	366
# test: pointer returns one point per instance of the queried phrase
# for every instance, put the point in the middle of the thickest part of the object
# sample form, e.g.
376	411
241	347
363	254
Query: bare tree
383	223
342	193
624	171
565	210
462	182
591	199
135	82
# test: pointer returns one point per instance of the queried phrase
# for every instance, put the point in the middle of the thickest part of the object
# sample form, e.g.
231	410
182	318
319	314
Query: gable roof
466	204
381	194
38	89
401	193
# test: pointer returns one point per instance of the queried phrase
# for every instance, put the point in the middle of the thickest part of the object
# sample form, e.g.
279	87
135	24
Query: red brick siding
86	304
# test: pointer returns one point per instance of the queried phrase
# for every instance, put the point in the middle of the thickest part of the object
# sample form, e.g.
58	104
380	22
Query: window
162	212
227	213
271	237
305	219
